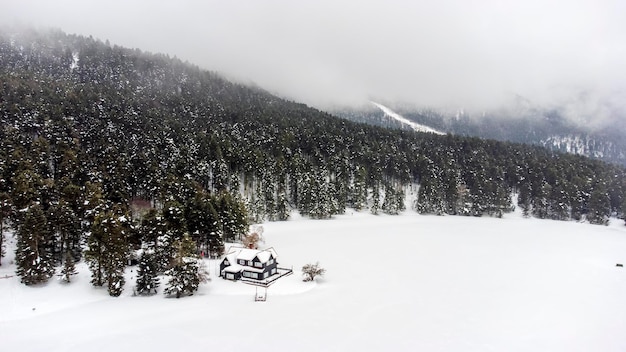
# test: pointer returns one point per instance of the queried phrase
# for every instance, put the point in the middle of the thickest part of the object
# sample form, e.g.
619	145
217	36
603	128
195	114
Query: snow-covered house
244	263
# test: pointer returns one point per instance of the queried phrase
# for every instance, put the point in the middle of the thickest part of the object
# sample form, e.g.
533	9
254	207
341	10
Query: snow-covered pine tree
65	226
34	264
623	212
540	202
156	238
108	250
375	208
430	197
147	279
5	209
358	189
268	194
323	203
187	271
237	222
524	198
282	206
388	206
69	267
599	206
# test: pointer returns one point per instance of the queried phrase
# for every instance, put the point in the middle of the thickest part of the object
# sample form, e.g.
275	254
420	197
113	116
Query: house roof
233	268
263	255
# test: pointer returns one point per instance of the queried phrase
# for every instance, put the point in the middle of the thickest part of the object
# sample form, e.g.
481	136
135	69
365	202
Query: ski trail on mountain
394	115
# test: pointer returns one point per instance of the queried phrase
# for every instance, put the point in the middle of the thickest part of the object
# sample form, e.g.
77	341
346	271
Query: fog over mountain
452	54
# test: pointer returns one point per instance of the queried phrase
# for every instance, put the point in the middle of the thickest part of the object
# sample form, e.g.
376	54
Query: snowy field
393	283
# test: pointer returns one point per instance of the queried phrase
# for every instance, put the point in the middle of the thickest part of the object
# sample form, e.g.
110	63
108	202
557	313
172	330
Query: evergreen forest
106	150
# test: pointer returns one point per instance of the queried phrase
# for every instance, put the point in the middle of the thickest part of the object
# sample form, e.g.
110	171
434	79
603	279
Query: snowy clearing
393	283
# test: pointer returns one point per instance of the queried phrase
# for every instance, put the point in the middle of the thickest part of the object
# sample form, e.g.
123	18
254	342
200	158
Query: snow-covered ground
393	283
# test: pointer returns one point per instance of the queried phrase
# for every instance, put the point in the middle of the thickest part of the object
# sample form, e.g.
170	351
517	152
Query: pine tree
65	225
375	199
430	197
108	250
624	209
358	190
187	272
26	191
34	264
233	216
69	267
282	206
147	279
599	206
93	203
394	200
5	209
540	201
157	239
524	199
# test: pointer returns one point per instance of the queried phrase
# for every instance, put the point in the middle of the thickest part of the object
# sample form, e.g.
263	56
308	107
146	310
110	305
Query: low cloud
449	53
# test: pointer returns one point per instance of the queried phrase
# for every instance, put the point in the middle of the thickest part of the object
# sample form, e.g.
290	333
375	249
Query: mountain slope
522	124
77	112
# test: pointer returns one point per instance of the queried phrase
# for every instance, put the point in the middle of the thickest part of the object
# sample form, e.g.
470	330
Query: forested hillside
519	123
89	129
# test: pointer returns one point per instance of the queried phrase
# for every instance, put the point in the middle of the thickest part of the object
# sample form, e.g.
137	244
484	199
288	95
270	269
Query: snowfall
393	283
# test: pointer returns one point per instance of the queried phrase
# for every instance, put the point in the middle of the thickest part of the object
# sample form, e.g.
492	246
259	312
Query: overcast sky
439	53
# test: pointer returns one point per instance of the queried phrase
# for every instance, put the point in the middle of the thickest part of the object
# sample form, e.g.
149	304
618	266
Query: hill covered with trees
89	129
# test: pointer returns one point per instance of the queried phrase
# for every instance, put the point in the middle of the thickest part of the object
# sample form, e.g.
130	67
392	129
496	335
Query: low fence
281	272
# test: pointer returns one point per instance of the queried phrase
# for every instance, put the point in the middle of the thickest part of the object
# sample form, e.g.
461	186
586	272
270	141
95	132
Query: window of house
258	265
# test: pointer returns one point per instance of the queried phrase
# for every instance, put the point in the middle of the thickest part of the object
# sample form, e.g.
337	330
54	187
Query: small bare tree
251	240
255	236
310	271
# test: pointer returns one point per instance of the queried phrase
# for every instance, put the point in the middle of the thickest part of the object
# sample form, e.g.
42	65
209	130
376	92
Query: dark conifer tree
358	190
147	279
232	216
108	249
282	206
187	271
157	239
599	206
25	191
65	226
430	196
394	200
375	207
5	210
69	268
524	199
624	210
541	208
34	263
